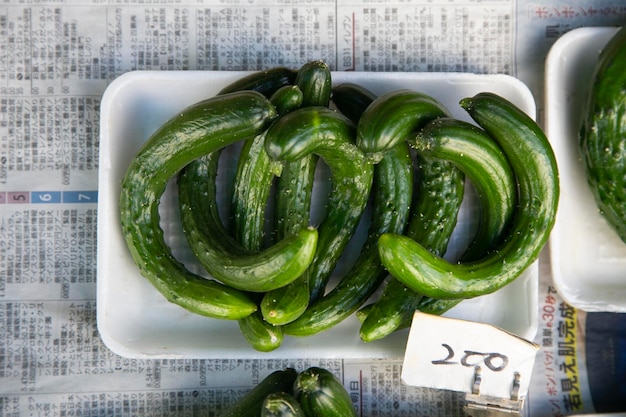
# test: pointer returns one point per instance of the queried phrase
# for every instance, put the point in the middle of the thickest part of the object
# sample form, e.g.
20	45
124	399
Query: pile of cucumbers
400	155
314	392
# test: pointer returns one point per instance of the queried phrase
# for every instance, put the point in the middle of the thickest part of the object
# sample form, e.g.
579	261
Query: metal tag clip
477	405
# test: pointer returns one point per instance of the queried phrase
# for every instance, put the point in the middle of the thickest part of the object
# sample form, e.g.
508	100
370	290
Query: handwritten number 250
493	360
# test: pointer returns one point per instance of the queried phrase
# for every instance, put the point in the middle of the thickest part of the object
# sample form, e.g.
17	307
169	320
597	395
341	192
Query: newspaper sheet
56	59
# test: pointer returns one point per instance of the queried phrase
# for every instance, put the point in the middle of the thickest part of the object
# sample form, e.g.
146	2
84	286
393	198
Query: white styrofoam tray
134	320
588	258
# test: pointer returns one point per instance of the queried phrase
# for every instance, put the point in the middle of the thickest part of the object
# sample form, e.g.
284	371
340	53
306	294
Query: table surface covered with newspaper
56	60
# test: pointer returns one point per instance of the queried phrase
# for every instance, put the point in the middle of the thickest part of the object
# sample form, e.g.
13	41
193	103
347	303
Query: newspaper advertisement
57	58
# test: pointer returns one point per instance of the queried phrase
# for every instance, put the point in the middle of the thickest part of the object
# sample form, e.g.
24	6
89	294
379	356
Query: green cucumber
393	117
261	335
287	98
293	198
425	305
603	134
251	404
199	129
355	99
393	185
352	99
251	190
482	161
252	187
314	79
330	135
265	82
224	258
438	195
321	393
534	165
281	404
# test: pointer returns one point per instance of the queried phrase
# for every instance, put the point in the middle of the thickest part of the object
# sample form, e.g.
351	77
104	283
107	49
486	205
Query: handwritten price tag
446	353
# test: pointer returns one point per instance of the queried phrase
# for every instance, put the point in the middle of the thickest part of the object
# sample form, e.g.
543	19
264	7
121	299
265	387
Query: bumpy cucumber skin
320	393
603	134
251	404
393	117
482	161
295	185
281	404
314	79
535	168
265	82
199	129
224	258
330	135
293	198
393	184
353	99
251	189
439	191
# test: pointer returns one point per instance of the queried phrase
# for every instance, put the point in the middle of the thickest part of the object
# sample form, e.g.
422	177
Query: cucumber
223	257
603	134
320	393
425	305
534	165
261	335
482	161
251	404
251	190
314	79
330	135
392	117
439	191
393	184
265	82
281	404
201	128
287	98
293	198
352	99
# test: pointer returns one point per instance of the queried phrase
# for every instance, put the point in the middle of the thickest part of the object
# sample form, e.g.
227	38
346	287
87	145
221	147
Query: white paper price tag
444	353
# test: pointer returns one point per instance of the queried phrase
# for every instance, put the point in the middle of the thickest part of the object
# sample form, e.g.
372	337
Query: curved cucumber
202	128
252	187
330	135
225	259
534	165
393	185
293	198
485	165
603	134
393	117
439	191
